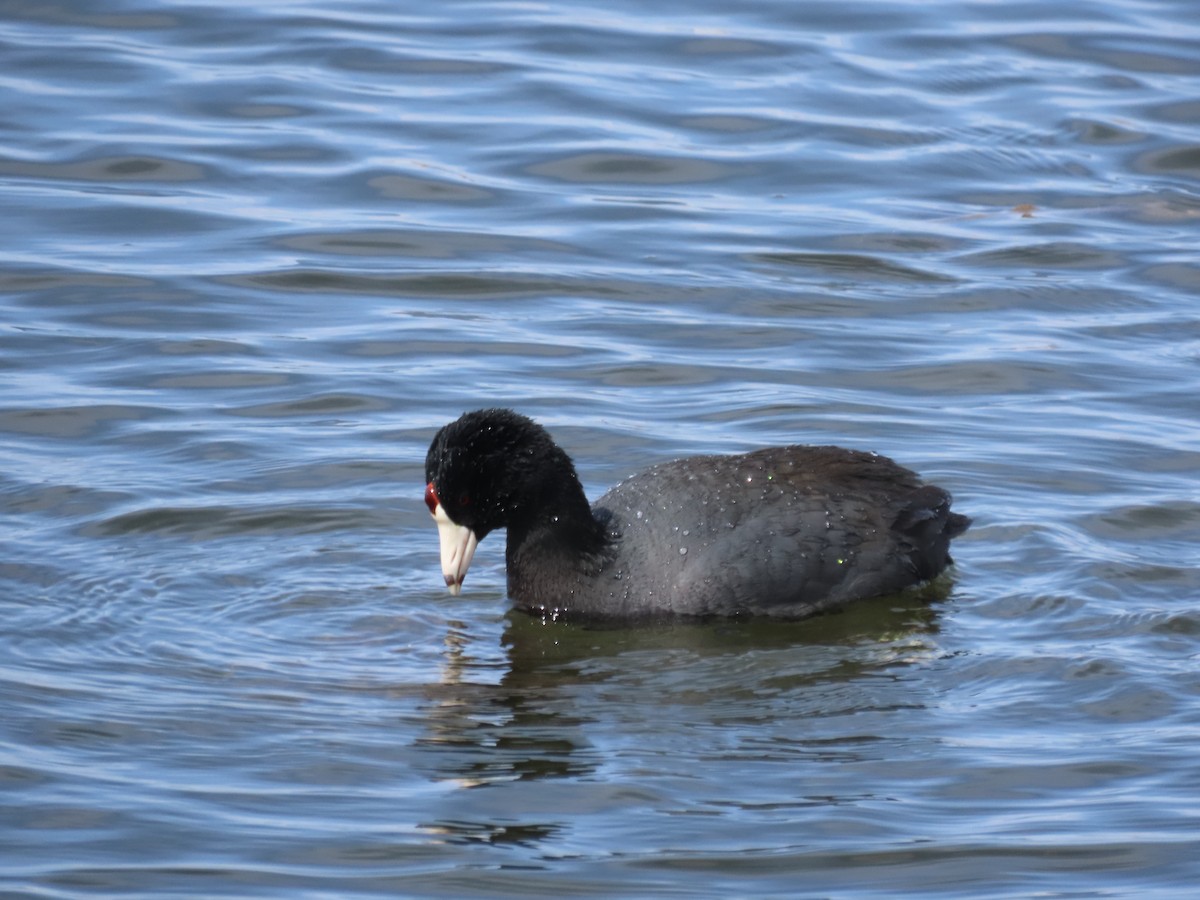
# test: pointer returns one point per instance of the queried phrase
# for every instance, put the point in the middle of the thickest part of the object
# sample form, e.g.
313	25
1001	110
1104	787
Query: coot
785	531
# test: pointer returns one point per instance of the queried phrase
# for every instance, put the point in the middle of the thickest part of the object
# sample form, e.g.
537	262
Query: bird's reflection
538	711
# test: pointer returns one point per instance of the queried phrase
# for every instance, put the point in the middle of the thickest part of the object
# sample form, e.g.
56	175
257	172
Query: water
254	255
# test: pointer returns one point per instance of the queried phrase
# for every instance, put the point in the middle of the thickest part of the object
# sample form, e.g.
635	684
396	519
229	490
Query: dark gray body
786	531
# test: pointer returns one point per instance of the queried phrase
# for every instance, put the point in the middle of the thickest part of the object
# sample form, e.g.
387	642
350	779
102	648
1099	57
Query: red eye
464	500
431	499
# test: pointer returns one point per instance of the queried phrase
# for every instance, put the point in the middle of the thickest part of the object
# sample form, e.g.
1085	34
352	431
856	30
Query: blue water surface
254	255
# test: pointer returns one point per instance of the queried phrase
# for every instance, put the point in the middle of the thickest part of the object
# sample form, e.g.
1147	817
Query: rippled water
252	257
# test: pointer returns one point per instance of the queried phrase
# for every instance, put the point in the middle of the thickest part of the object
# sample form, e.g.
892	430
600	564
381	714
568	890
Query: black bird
786	531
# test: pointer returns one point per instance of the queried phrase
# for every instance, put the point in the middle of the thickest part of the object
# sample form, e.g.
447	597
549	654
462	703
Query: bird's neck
563	546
